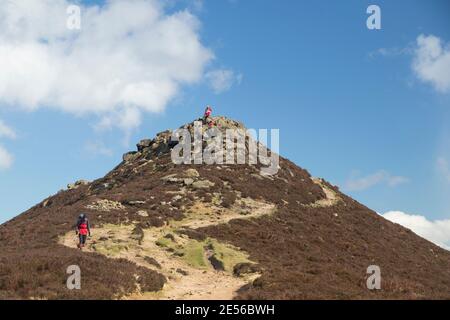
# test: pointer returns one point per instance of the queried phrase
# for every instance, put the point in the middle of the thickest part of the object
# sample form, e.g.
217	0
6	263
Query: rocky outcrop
202	184
105	205
162	143
76	184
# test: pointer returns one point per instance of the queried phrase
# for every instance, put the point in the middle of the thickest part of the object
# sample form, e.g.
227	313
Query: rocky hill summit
162	143
162	230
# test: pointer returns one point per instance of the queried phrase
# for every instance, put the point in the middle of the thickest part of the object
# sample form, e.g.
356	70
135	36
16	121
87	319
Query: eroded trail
186	263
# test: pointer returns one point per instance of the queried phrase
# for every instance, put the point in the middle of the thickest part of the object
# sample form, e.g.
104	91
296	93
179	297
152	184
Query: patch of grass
111	250
227	254
194	254
164	242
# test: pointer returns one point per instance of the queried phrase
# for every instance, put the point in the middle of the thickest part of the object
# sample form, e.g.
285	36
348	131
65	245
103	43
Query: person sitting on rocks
207	116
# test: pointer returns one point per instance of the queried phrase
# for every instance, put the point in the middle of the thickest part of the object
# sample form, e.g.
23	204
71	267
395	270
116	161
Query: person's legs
82	240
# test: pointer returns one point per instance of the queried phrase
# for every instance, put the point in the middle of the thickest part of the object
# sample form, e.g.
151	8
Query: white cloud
437	231
222	80
431	62
357	183
130	56
443	167
6	159
6	131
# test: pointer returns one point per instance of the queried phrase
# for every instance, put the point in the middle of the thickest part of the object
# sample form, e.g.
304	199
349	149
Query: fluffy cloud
437	231
431	62
128	57
357	183
221	80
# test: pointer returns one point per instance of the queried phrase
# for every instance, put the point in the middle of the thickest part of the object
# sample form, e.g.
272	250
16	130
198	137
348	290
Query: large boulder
76	184
144	144
202	184
191	173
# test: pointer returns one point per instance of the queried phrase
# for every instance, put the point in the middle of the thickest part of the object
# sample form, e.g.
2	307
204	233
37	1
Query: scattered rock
188	181
142	213
245	268
171	178
177	197
183	272
191	173
134	202
105	205
202	184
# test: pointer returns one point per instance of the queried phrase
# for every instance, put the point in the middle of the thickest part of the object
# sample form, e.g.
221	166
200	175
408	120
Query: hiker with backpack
82	230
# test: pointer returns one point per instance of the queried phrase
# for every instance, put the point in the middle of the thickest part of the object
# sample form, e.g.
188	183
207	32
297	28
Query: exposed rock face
76	184
144	144
202	184
191	173
105	205
131	156
162	143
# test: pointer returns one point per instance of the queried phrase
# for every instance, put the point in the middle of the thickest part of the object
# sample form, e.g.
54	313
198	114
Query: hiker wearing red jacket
208	111
82	230
207	115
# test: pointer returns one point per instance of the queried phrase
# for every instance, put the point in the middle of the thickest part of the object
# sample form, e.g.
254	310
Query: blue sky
348	102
